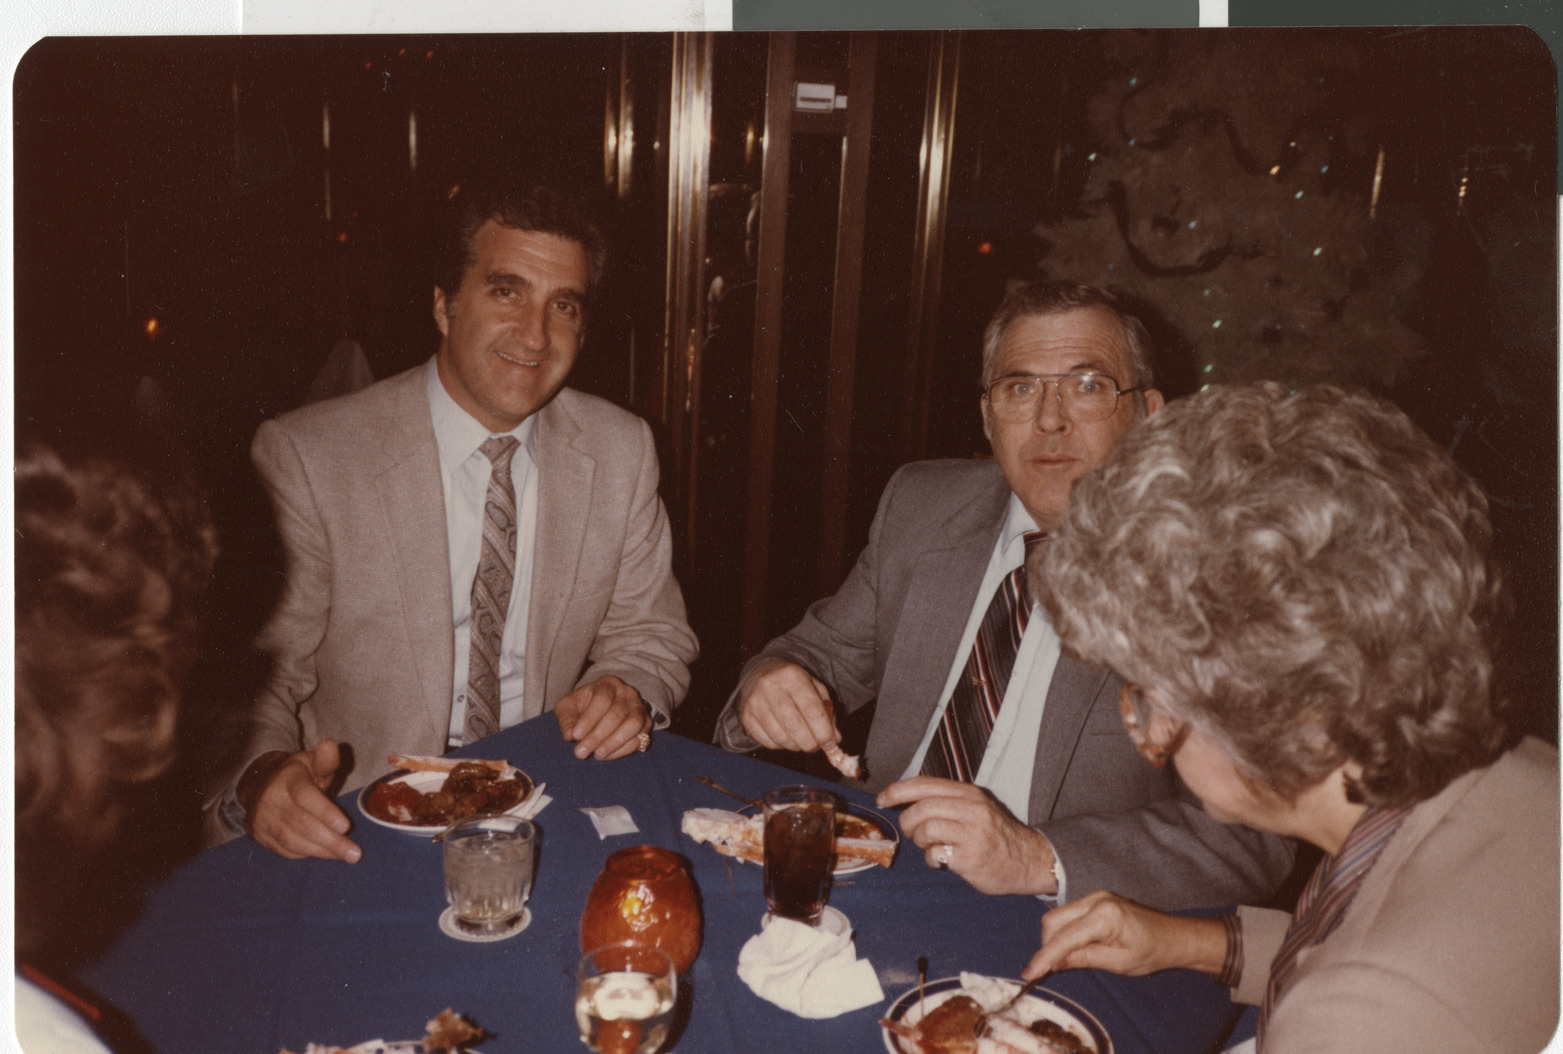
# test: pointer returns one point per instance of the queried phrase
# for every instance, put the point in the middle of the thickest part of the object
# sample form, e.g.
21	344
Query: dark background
181	180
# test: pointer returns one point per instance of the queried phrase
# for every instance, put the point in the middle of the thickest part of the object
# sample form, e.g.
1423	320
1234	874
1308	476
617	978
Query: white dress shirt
464	474
1006	769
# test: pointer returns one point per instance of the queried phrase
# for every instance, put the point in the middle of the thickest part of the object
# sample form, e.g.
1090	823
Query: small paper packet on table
611	819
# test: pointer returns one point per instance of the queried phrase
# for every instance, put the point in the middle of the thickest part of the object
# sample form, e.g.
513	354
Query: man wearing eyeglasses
1010	759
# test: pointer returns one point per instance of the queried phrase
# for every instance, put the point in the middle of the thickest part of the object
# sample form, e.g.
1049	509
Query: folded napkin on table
810	972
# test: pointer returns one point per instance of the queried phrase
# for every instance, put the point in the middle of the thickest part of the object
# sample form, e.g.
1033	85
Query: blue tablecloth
242	952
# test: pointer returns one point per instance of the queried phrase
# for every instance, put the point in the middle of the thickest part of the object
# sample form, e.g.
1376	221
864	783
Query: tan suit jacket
362	640
1451	943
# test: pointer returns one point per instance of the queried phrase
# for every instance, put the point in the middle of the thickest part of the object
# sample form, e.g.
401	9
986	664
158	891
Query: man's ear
441	312
1153	401
987	427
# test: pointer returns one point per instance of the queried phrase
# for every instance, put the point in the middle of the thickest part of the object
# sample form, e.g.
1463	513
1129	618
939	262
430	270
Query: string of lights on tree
1210	195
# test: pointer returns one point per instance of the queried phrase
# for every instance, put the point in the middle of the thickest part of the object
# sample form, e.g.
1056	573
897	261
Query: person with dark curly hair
1299	592
113	552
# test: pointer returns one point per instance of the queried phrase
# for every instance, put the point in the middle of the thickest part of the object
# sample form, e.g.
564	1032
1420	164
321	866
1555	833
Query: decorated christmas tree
1232	186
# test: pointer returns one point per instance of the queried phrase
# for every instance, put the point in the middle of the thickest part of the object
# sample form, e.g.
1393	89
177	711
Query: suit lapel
564	501
939	597
1070	696
412	501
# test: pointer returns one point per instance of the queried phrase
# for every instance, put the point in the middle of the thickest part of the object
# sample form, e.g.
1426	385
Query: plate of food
864	838
943	1016
425	795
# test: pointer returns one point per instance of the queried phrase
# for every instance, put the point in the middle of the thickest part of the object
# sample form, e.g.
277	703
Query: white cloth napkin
611	819
810	972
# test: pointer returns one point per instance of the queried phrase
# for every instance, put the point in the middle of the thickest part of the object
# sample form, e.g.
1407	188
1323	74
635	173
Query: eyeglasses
1086	396
1156	734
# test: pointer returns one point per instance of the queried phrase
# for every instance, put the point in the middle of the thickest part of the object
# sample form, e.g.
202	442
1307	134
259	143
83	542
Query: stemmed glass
624	998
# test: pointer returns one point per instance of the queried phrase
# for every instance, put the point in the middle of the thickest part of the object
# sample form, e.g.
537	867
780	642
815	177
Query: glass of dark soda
800	851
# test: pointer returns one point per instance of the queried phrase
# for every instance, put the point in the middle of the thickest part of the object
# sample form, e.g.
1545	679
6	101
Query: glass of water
624	998
488	872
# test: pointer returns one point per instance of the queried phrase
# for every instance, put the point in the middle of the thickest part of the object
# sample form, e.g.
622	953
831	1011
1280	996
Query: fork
709	782
982	1024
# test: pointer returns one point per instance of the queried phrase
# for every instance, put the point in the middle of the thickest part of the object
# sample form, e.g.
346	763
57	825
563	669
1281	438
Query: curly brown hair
113	552
1306	578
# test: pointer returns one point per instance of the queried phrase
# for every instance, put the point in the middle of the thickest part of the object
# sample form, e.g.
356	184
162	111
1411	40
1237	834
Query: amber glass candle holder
644	894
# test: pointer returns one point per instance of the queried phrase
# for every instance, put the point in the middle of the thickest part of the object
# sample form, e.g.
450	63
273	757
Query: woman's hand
1104	931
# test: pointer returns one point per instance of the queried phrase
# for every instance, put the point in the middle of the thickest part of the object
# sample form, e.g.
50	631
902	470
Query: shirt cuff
1060	876
660	719
731	735
230	814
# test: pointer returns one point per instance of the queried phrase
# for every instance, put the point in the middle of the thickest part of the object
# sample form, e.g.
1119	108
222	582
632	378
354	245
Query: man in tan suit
385	500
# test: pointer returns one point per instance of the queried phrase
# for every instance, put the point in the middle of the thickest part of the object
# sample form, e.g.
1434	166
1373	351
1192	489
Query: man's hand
784	707
1104	931
291	815
603	718
962	826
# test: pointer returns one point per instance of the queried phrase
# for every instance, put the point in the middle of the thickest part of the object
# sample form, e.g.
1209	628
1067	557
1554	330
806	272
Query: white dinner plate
426	782
891	833
1036	1004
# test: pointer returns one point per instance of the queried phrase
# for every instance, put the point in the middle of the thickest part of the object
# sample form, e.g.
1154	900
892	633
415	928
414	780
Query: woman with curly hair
1297	588
113	551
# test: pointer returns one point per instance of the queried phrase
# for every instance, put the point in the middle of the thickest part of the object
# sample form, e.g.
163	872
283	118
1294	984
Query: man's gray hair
1054	296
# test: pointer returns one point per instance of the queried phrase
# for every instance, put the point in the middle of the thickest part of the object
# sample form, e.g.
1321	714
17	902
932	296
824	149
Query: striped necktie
491	592
957	747
1327	896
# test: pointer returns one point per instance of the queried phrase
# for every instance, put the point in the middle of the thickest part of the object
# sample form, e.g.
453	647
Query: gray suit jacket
891	633
1451	943
362	640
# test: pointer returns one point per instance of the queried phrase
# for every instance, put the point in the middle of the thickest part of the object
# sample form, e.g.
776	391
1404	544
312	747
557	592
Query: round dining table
242	952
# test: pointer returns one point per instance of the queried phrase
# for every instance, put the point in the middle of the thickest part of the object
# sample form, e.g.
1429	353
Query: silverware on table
982	1025
709	782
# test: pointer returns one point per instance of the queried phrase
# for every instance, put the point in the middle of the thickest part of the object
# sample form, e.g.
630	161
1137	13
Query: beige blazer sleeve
361	639
604	599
